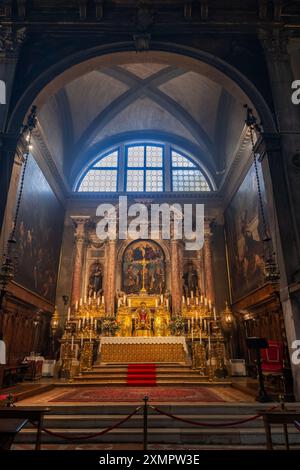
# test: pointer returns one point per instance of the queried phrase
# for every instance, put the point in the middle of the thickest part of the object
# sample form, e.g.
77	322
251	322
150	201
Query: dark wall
39	234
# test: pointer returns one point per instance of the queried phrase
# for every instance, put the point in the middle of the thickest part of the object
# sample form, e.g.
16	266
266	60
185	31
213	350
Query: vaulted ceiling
156	98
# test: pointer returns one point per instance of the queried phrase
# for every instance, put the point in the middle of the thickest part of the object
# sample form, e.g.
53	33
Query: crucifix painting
143	268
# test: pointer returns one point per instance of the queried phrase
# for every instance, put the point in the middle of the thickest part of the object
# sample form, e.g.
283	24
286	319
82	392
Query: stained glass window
143	168
186	176
102	176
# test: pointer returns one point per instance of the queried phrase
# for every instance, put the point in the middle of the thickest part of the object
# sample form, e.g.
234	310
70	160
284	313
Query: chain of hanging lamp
270	266
8	267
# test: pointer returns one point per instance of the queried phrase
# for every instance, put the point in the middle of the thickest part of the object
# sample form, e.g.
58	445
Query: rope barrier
89	436
297	425
195	423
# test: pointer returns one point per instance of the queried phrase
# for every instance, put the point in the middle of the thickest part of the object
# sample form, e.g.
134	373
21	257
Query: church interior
108	106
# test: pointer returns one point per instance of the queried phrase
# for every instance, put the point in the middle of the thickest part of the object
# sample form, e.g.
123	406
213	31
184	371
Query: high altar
140	301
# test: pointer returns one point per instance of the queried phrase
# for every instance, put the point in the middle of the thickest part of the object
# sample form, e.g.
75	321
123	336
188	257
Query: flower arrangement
7	400
110	326
177	325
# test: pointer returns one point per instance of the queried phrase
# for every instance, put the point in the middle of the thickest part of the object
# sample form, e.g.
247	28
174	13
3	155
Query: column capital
275	44
11	41
79	225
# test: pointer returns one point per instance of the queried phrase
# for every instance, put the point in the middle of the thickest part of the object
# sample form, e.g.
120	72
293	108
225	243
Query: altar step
75	420
166	374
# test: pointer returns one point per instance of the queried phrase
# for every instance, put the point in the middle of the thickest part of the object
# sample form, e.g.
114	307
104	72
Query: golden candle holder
86	356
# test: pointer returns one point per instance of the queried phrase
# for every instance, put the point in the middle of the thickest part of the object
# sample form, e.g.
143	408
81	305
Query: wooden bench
283	417
34	415
9	428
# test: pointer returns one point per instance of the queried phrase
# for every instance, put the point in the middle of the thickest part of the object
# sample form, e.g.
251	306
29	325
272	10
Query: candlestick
156	303
167	303
90	336
197	300
85	299
183	299
98	301
161	299
90	300
129	303
188	301
72	343
209	345
200	336
69	313
94	295
215	314
192	294
79	324
76	305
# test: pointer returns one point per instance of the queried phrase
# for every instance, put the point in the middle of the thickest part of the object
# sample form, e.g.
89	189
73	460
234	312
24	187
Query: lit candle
94	295
209	345
72	343
189	325
183	299
79	324
201	299
200	336
197	300
69	313
192	294
90	301
85	299
188	301
156	303
161	299
129	303
167	303
98	301
215	314
90	336
76	305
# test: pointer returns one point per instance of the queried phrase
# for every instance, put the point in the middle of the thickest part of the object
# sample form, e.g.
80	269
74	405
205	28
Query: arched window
144	167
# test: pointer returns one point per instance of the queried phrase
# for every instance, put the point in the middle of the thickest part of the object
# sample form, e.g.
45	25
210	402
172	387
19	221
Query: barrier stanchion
145	399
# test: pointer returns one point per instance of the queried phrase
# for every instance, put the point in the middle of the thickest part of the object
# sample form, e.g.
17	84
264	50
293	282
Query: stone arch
52	79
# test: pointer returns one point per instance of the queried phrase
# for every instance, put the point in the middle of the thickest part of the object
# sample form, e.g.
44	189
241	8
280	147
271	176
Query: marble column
176	282
79	223
11	42
110	282
281	170
208	263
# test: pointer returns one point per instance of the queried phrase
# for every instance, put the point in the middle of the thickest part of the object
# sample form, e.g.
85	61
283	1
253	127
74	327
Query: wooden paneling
25	323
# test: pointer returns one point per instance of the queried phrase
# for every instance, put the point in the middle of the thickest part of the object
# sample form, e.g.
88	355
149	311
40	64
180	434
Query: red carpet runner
141	374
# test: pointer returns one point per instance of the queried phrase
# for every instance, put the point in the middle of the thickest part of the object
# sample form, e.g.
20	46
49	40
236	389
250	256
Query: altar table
141	349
